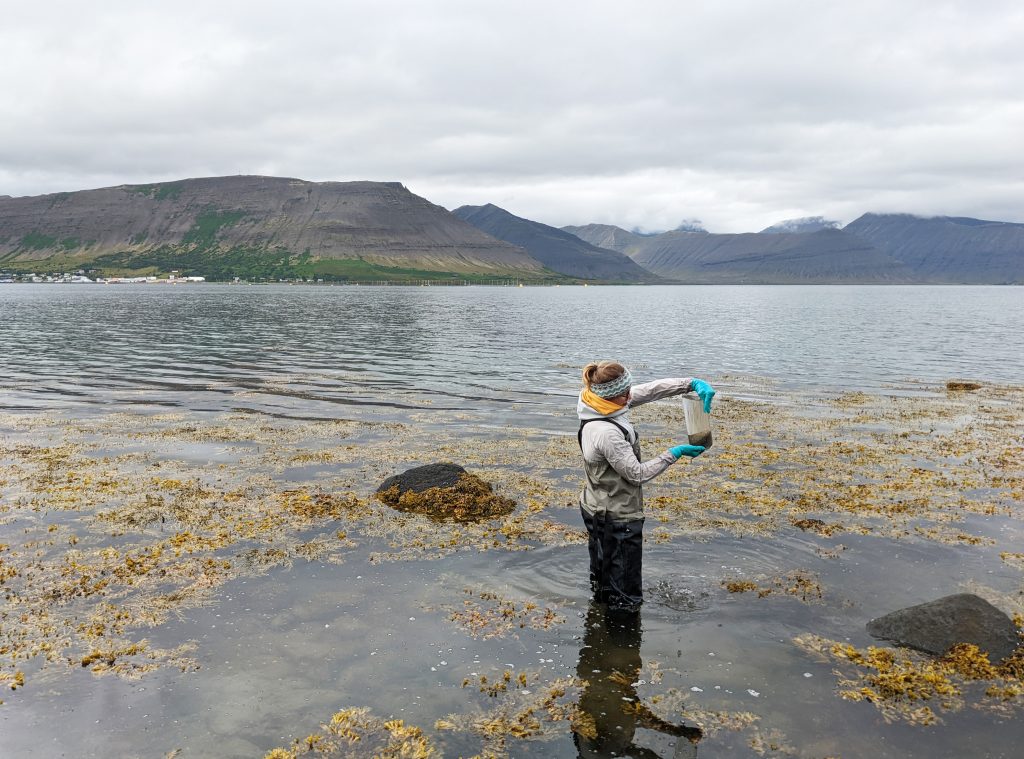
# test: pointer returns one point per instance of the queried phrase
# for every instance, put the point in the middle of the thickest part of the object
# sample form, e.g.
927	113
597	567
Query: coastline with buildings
82	277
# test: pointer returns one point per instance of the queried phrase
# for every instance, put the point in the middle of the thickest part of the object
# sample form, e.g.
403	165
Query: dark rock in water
441	475
445	492
936	626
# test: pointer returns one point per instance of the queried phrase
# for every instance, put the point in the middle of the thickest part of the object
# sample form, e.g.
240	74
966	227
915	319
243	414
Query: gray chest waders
616	551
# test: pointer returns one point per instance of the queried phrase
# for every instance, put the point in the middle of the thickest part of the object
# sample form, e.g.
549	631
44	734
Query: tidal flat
200	583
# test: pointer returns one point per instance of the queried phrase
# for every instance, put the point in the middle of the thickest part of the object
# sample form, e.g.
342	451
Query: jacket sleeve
658	389
619	454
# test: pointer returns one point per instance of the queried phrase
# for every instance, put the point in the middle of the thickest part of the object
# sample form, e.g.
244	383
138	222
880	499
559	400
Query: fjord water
351	350
281	652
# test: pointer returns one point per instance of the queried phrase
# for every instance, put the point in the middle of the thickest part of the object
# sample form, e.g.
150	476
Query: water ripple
485	349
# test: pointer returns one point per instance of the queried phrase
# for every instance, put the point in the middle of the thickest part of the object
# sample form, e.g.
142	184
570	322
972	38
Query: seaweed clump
357	732
900	683
497	616
818	526
797	583
521	714
962	386
470	499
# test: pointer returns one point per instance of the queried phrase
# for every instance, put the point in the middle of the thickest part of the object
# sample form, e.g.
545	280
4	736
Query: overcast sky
643	114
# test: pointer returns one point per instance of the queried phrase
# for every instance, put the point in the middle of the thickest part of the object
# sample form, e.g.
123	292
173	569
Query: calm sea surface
95	348
282	651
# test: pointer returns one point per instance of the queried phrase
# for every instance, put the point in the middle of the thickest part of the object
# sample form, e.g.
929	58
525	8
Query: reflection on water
610	663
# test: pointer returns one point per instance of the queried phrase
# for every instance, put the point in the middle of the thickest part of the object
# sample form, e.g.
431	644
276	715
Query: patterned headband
613	388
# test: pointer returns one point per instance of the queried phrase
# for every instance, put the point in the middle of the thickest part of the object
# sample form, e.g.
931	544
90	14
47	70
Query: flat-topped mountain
876	248
825	256
272	227
818	257
559	251
233	226
948	249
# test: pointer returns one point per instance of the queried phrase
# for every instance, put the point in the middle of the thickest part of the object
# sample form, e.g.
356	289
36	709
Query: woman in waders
612	499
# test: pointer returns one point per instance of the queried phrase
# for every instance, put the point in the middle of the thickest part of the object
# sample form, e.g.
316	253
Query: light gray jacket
615	474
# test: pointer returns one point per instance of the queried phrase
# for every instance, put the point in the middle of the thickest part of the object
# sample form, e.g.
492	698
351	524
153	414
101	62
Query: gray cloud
739	113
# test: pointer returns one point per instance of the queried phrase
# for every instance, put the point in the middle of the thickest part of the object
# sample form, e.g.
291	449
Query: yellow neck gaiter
599	404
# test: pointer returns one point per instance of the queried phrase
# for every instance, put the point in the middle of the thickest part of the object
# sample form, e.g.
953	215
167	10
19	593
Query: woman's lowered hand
686	450
704	391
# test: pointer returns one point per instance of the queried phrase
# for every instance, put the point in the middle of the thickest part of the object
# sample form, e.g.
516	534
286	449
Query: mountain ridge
253	226
221	224
948	249
874	248
556	249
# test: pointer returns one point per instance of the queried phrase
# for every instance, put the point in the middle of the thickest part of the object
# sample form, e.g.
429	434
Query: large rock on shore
936	626
418	479
444	491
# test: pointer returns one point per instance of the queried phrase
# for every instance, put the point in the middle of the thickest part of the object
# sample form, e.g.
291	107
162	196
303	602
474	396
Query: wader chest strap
579	434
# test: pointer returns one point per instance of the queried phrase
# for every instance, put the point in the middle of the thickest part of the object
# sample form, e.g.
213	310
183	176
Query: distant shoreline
513	284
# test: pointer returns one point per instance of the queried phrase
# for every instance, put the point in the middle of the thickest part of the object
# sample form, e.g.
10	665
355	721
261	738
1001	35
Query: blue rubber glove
704	391
693	451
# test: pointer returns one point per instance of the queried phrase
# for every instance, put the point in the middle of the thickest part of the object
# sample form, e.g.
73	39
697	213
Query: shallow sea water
281	651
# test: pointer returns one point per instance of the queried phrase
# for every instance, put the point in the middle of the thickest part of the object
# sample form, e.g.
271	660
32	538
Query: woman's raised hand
704	391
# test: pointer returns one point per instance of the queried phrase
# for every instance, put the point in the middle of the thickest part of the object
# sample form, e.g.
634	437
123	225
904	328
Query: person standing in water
612	499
